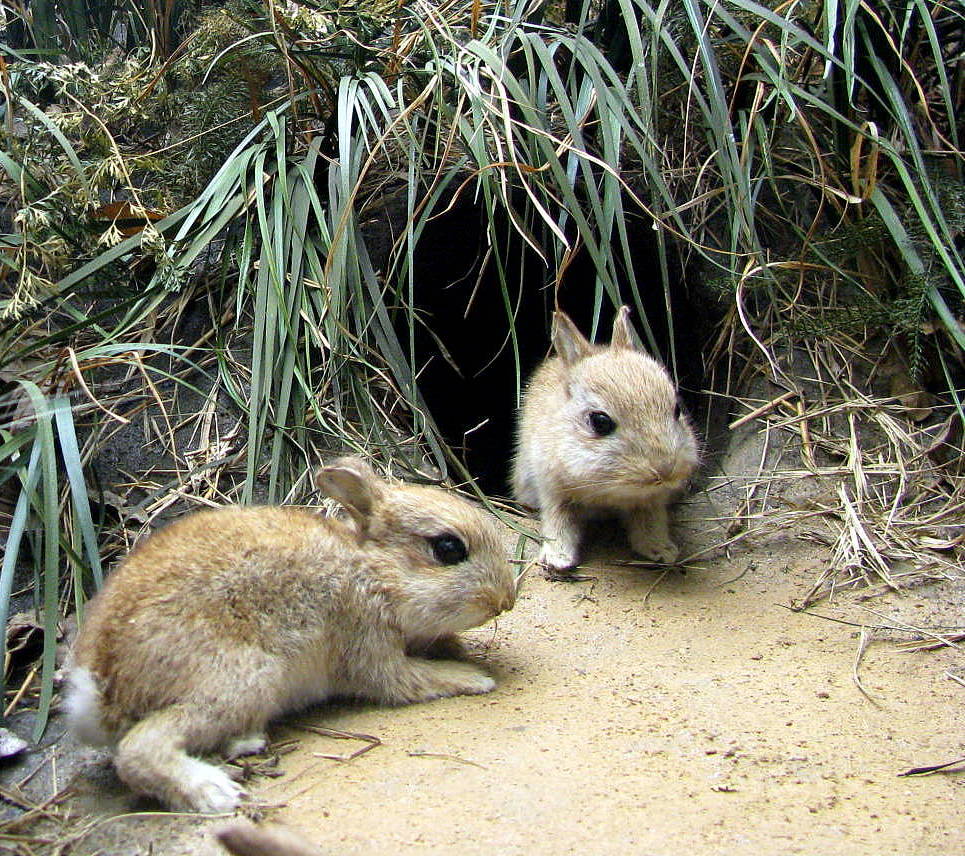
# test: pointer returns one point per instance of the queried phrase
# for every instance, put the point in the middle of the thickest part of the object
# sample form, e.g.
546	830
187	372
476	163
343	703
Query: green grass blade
18	524
78	486
57	134
47	510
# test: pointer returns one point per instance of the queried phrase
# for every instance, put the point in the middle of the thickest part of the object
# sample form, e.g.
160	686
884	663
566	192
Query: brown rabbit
601	430
228	618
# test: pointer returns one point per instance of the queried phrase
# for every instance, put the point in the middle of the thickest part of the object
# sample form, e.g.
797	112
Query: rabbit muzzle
496	601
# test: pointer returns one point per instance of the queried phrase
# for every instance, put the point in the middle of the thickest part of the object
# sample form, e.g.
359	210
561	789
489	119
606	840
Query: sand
692	713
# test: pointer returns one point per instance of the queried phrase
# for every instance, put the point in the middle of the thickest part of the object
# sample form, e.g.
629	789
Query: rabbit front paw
649	533
478	684
453	678
561	530
247	744
655	549
557	559
432	679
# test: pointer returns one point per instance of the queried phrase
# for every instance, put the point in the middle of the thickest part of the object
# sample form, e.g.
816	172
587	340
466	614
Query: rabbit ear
622	336
354	484
568	342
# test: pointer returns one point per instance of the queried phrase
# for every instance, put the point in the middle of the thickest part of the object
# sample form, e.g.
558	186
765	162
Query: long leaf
78	486
47	510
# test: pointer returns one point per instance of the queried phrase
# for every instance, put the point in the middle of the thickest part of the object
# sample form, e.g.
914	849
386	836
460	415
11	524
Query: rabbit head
440	560
623	436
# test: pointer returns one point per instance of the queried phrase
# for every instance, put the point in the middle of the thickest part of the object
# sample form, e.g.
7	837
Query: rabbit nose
507	601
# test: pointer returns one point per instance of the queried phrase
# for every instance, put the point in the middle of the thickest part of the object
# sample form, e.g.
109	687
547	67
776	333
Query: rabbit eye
601	423
448	549
676	410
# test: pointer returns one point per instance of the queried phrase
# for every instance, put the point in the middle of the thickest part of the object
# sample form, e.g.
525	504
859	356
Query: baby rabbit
228	618
601	430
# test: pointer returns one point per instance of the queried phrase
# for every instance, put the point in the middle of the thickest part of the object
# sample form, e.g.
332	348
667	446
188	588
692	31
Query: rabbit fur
227	618
601	431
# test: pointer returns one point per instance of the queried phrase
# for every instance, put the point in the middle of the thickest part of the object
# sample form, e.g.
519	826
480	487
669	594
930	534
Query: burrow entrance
468	374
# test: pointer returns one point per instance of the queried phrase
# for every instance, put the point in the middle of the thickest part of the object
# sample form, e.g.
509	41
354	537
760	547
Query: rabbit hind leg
152	759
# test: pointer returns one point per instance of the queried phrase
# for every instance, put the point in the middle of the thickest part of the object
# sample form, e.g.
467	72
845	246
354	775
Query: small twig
567	576
956	678
164	413
33	811
760	411
17	800
908	628
806	447
26	779
720	545
916	645
370	741
892	627
443	757
750	566
23	689
584	595
862	647
935	768
653	585
79	376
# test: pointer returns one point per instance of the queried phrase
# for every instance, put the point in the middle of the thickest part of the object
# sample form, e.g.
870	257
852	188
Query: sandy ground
696	715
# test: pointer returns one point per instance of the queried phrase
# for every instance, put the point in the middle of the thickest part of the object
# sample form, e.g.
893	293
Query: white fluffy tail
83	704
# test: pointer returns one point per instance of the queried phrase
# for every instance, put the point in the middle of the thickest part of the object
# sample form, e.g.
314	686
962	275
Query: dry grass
47	827
59	824
852	450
